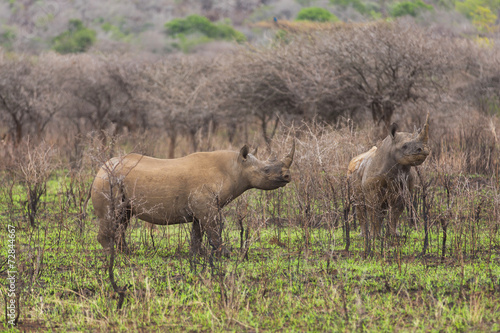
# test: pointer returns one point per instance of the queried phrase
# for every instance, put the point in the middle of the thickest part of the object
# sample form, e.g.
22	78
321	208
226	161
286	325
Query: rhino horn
289	158
424	134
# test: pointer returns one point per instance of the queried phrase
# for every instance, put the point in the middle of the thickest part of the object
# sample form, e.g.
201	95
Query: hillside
31	26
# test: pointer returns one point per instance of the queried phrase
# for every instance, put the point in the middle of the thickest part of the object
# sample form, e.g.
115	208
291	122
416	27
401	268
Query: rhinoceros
181	190
378	176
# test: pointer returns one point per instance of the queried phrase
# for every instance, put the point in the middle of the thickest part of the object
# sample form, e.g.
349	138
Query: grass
296	278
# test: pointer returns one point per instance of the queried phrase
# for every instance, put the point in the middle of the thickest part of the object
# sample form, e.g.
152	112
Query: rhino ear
393	130
244	152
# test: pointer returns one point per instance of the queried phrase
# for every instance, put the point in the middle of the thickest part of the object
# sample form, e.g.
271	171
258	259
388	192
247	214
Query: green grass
295	279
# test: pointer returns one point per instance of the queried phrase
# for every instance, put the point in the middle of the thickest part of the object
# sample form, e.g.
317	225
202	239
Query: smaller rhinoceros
378	176
182	190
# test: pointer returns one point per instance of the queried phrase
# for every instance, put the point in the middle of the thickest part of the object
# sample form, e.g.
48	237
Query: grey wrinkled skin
380	177
171	191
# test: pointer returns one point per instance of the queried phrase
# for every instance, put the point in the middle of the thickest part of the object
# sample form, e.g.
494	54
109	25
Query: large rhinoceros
378	176
182	190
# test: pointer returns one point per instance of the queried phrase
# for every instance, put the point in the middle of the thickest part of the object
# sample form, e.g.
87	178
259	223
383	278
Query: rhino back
169	190
358	163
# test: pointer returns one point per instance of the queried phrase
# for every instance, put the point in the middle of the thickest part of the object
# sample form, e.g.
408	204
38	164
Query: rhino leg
105	235
114	227
196	237
215	239
377	217
361	215
394	215
121	244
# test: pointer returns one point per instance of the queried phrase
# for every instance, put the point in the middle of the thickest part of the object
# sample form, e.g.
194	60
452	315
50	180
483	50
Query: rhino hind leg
104	237
196	237
214	239
109	227
120	241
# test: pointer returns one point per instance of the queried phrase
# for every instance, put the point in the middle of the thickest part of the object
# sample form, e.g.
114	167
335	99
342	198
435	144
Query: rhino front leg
361	215
213	230
377	217
394	215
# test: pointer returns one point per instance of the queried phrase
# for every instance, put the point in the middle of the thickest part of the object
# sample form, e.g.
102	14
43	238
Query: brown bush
29	98
393	71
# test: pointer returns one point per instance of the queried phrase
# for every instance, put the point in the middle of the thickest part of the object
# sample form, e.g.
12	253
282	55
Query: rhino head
409	149
265	175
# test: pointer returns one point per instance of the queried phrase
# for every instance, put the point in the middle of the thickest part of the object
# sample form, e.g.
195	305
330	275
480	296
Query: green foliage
483	19
411	8
305	3
358	5
481	12
7	37
469	7
76	39
200	24
445	4
186	45
115	32
316	14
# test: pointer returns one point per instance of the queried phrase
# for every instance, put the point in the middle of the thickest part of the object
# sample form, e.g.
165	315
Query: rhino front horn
424	134
289	158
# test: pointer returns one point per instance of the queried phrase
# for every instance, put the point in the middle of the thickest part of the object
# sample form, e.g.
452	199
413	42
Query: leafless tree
29	98
103	96
387	64
34	168
253	87
183	93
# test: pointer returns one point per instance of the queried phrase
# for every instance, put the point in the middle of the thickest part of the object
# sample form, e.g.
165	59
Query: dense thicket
383	71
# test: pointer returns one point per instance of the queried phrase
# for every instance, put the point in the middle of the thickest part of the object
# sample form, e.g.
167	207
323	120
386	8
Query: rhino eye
405	146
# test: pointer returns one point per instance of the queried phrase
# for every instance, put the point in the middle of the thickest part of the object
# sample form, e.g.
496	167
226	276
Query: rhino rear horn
424	134
289	158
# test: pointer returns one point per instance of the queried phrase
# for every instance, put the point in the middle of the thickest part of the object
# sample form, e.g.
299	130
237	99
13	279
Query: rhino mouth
417	159
283	182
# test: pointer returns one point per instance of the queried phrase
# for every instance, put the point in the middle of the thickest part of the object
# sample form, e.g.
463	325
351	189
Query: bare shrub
469	144
388	64
103	95
34	170
483	93
29	97
346	70
287	82
184	98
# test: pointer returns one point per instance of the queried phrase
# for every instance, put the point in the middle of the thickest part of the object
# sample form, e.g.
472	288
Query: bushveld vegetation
76	40
31	26
298	262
